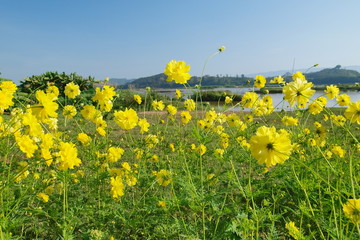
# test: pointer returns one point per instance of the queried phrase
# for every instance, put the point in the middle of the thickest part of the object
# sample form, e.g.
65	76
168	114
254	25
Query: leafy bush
41	82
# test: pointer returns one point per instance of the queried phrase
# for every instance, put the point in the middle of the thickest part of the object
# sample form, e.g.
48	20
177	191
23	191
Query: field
74	170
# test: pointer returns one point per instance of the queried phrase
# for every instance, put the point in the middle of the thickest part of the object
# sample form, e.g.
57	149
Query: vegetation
41	82
75	168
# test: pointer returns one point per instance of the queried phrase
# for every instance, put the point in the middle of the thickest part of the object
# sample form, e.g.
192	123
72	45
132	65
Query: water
278	101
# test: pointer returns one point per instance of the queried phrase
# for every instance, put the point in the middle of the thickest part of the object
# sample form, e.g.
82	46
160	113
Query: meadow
72	169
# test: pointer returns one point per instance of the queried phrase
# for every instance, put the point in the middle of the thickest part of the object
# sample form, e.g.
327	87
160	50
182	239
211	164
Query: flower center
270	146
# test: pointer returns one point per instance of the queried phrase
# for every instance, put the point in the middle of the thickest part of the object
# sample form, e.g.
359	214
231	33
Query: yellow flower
177	71
189	104
249	99
68	156
222	48
353	112
201	149
161	204
88	112
137	99
315	108
343	100
7	90
352	210
177	94
69	111
101	131
322	101
338	120
43	197
163	177
144	125
52	91
45	108
298	91
260	81
117	187
337	150
228	100
114	154
278	80
298	75
127	119
171	109
172	147
26	145
185	117
332	91
72	90
84	138
293	230
270	147
248	118
290	121
158	105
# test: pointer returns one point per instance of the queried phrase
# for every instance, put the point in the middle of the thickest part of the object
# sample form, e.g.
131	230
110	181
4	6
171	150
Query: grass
212	193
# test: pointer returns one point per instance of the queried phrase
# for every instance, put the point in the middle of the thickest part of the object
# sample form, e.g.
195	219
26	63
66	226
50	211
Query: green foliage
41	82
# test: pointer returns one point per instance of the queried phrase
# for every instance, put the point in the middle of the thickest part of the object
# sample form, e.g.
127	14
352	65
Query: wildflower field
77	170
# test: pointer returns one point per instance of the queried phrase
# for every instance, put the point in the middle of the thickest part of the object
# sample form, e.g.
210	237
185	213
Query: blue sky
134	39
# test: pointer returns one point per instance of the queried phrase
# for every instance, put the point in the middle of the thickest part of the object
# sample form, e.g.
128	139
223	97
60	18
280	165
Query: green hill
159	81
334	75
327	76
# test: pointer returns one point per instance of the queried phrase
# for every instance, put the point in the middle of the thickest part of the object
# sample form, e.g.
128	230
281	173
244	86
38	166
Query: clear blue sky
134	39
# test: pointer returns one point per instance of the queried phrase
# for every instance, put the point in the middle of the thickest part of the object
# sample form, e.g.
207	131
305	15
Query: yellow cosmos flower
352	210
353	112
117	187
72	90
201	149
298	75
114	154
7	90
52	91
185	117
26	144
315	108
299	91
270	147
343	100
45	108
84	138
68	156
290	121
171	109
127	119
332	91
144	125
69	111
189	104
158	105
228	100
337	150
293	230
222	48
260	81
278	80
338	120
249	99
177	94
137	98
43	197
177	71
88	112
163	177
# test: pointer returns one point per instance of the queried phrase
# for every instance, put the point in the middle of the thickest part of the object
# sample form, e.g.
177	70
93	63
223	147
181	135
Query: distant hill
159	81
336	75
120	81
